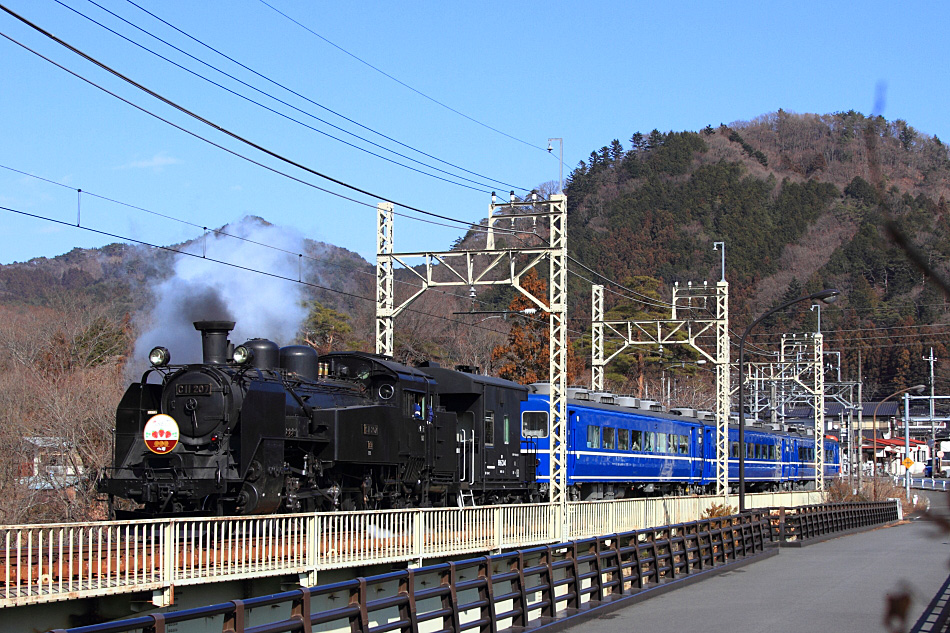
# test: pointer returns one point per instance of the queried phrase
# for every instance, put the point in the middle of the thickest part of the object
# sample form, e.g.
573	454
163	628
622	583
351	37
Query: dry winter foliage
60	381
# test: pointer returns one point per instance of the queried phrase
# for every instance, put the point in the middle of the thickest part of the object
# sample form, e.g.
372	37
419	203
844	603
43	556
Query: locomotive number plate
370	429
202	389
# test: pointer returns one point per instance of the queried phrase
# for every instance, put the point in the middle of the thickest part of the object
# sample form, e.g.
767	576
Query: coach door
466	447
695	454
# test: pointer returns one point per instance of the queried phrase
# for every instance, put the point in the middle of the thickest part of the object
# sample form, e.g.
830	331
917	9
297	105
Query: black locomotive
258	429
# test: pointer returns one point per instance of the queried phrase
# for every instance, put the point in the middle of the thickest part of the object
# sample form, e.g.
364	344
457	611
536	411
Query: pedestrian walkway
839	586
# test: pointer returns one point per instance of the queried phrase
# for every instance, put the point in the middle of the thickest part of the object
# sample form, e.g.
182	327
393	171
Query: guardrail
46	563
491	593
793	527
928	484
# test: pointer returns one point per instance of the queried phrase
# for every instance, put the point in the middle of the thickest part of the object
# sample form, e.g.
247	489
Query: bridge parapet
48	563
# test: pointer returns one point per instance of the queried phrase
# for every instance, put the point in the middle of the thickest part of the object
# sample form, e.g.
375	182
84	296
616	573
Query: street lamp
915	388
721	246
561	172
827	296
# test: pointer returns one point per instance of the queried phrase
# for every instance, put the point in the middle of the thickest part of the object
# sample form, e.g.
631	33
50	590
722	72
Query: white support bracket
697	333
493	266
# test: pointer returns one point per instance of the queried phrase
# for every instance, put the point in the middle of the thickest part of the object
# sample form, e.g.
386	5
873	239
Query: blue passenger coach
619	446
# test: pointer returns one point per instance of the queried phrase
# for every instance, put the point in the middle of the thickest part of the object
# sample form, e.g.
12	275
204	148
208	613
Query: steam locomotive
258	428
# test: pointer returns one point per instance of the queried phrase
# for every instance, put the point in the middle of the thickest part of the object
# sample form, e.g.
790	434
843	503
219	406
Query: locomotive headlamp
159	357
242	355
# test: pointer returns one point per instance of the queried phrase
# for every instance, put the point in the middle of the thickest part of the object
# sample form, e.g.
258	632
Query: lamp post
561	172
826	296
812	308
916	388
721	246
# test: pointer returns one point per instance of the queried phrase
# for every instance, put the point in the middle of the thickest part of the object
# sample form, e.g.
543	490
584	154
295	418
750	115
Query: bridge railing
798	526
46	563
929	483
510	591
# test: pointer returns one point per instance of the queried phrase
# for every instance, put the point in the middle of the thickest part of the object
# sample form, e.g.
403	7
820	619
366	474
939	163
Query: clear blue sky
587	72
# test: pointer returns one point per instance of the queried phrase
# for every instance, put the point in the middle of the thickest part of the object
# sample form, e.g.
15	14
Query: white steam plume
262	306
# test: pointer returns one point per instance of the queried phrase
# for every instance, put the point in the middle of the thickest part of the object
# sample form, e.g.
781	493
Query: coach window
593	437
623	439
661	445
684	444
734	449
636	440
507	429
649	441
489	428
534	424
610	437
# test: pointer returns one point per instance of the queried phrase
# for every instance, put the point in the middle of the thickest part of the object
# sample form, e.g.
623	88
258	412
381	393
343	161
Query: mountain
800	201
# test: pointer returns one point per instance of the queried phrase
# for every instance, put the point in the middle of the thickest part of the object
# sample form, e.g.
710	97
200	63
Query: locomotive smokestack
214	340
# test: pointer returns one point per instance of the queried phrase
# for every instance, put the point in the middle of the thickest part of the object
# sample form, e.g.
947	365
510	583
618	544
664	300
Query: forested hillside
794	199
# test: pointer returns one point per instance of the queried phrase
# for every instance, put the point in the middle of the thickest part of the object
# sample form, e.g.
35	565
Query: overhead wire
219	128
250	269
305	98
352	267
398	81
641	297
272	110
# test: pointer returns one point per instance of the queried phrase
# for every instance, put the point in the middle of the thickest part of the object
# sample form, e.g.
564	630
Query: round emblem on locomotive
161	434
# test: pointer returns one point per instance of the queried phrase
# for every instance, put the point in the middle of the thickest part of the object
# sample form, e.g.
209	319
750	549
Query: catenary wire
272	110
230	264
215	126
644	298
295	93
352	267
401	83
237	237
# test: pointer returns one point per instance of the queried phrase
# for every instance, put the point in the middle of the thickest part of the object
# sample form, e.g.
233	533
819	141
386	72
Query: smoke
199	289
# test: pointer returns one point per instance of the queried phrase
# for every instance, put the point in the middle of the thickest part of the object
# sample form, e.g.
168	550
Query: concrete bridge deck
839	585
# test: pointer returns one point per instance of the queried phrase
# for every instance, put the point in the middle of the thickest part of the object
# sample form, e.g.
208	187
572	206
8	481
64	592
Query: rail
47	563
492	593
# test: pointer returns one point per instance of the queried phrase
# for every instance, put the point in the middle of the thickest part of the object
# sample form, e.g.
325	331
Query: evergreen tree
326	330
616	150
637	142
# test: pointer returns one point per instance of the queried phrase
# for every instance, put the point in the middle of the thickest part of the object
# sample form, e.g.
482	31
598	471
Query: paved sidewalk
835	586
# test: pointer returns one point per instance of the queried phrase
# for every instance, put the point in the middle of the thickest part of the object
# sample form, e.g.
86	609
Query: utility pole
860	424
907	442
933	425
